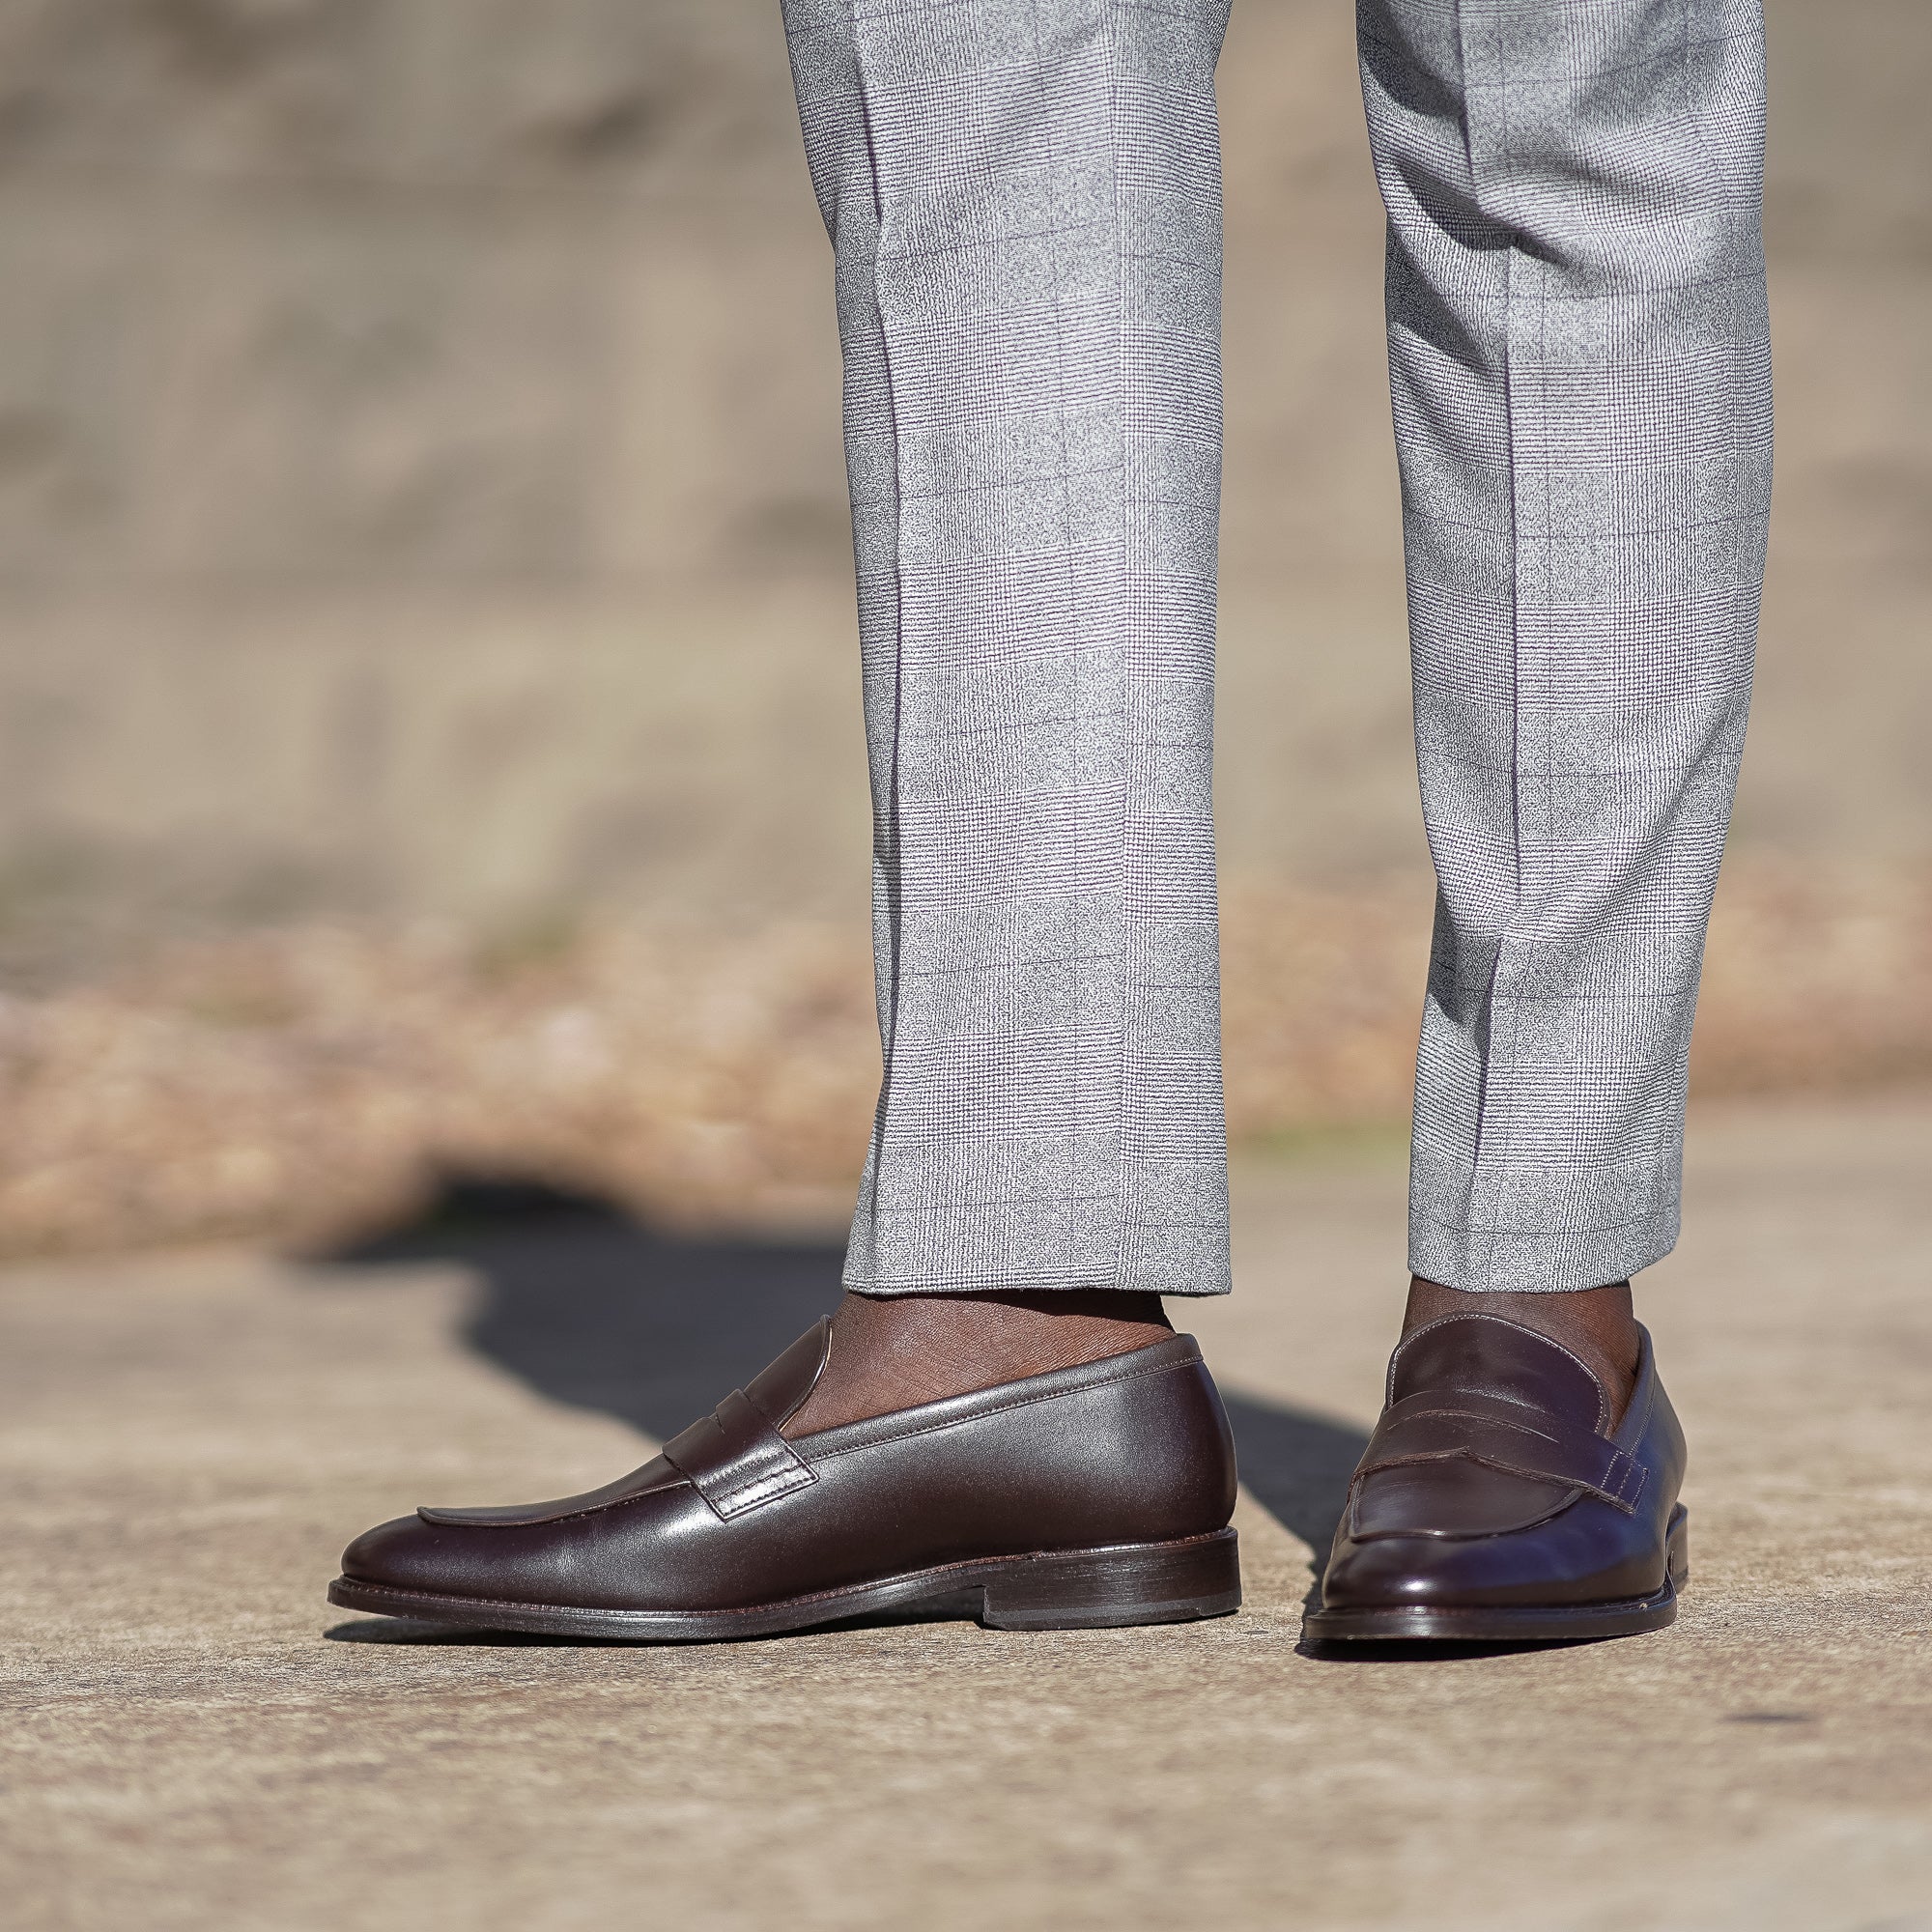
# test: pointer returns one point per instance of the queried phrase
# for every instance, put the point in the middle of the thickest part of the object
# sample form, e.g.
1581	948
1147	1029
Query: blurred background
429	709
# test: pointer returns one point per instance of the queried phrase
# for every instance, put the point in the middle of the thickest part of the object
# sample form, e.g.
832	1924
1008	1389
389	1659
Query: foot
1092	1493
1518	1486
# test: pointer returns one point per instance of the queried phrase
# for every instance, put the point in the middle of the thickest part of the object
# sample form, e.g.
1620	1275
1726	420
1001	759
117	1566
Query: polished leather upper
1494	1478
1131	1449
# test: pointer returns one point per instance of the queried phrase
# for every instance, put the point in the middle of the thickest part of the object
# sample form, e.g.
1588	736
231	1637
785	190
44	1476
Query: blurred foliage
307	1083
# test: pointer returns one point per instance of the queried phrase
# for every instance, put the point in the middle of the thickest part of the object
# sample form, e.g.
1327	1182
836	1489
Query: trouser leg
1024	200
1580	361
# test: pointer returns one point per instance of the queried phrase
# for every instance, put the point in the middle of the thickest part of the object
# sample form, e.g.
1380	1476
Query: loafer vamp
632	1556
1452	1498
1490	1480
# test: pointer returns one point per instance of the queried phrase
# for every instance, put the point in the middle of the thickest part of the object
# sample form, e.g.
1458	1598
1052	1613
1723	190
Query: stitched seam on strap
762	1489
1565	1479
1620	1480
768	1468
1618	1464
1393	1423
732	1480
1633	1489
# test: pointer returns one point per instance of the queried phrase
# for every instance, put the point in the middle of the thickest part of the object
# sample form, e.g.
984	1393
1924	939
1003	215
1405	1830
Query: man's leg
1579	355
1024	198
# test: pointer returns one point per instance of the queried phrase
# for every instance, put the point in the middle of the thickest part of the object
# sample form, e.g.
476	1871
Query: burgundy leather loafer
1495	1503
1091	1496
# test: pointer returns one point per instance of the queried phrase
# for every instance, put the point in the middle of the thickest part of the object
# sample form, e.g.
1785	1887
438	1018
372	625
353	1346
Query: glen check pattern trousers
1024	199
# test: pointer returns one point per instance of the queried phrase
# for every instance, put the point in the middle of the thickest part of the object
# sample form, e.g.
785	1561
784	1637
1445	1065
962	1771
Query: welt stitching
790	1476
961	1567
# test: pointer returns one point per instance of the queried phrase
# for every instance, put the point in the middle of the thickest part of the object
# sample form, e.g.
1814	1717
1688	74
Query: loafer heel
1680	1547
1108	1589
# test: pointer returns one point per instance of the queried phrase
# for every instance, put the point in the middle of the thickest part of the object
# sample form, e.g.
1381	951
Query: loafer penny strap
735	1460
1437	1424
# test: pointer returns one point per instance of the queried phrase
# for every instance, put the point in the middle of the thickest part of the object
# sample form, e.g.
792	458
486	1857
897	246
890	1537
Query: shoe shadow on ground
589	1307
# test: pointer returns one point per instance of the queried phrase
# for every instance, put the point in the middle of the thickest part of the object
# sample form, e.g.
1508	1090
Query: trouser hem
1498	1261
1208	1280
1012	1284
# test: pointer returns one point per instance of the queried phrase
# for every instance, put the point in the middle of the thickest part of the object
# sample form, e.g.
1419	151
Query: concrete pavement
193	1738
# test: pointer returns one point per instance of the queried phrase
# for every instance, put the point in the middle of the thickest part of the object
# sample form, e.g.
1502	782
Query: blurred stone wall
420	488
419	463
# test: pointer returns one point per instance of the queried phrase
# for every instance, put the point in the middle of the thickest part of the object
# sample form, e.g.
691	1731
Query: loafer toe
1391	1570
408	1554
1519	1567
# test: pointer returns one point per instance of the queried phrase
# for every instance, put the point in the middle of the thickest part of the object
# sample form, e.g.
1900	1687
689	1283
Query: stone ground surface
193	1738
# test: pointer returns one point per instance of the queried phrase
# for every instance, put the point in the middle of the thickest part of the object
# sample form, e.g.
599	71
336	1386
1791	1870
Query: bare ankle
1596	1323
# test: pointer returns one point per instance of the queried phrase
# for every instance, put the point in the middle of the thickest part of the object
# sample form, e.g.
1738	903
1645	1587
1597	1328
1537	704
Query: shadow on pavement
589	1307
1297	1464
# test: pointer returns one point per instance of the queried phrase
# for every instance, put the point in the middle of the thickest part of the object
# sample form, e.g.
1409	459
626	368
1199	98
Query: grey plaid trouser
1024	197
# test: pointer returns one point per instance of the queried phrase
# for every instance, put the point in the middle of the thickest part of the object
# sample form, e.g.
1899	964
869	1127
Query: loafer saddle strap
735	1460
1440	1423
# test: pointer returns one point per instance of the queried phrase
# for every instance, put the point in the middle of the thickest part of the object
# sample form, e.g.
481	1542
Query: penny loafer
1495	1504
1090	1496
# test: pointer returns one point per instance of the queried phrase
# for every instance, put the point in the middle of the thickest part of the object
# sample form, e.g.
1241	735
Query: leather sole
1512	1623
1067	1589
